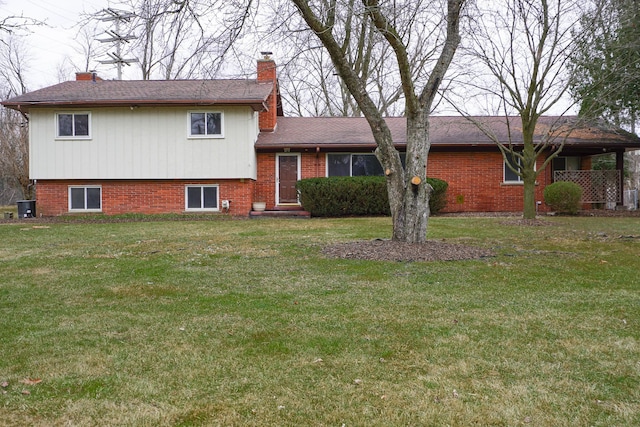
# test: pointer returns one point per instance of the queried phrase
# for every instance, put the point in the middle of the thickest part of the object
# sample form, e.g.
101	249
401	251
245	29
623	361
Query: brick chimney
87	76
267	73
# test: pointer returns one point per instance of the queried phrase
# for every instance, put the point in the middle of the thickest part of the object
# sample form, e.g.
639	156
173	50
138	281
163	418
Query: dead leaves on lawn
26	381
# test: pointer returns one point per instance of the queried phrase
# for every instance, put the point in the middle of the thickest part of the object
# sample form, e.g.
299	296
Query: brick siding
266	72
312	165
141	196
475	185
476	182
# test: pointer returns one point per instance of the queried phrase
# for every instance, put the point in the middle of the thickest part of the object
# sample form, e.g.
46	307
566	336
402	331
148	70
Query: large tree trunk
411	224
407	187
528	167
529	208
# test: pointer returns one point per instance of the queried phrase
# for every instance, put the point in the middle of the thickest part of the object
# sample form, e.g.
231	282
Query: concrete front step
280	213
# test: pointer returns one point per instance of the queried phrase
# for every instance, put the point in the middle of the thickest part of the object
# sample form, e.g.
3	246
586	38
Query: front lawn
244	322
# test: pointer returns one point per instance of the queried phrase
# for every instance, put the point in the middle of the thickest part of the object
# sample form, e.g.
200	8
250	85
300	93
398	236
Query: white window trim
215	136
505	167
73	137
518	181
85	198
186	198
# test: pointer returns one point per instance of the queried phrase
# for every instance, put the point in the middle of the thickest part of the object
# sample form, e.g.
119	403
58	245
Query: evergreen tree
606	67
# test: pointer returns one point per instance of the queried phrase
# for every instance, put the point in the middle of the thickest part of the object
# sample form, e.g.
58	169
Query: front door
287	178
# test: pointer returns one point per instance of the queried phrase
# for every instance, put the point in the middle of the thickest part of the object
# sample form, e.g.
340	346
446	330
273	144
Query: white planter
259	206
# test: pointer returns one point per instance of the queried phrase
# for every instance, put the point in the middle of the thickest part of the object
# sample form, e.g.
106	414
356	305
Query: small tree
524	47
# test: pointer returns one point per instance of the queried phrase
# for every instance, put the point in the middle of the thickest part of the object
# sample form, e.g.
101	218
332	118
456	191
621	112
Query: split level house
219	145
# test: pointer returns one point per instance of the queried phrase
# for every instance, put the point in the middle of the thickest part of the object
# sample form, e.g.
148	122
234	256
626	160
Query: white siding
144	143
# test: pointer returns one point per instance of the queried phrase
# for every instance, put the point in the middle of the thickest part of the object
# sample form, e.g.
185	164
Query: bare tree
88	50
183	39
14	152
310	84
523	47
14	134
309	81
402	27
17	23
14	58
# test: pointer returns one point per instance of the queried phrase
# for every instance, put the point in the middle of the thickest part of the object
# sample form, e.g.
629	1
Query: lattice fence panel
597	186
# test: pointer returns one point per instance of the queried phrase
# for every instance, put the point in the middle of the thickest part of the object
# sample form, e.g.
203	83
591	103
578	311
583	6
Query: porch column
620	168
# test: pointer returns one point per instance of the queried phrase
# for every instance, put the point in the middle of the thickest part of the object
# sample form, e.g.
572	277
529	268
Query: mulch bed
388	250
436	250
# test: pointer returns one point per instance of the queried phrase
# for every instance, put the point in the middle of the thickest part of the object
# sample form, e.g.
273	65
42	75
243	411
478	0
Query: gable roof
353	133
102	93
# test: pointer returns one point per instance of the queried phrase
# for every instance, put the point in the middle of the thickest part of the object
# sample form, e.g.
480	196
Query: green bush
357	196
438	199
563	196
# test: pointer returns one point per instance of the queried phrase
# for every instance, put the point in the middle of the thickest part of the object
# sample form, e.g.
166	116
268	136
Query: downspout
29	187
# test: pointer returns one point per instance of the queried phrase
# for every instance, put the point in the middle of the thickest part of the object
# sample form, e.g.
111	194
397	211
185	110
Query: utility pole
118	17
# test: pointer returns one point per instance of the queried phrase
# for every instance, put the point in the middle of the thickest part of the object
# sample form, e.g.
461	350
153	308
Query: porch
600	187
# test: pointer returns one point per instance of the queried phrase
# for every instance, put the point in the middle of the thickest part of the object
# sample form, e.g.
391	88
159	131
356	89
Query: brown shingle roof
146	92
354	133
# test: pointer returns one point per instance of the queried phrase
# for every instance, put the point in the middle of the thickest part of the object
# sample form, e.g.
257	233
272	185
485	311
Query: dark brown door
288	175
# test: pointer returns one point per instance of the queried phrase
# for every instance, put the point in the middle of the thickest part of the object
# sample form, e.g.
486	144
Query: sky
49	45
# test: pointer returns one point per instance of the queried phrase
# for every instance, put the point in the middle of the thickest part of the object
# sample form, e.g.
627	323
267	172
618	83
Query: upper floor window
73	125
204	124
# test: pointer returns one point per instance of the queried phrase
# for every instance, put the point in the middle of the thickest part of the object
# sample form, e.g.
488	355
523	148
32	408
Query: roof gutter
255	104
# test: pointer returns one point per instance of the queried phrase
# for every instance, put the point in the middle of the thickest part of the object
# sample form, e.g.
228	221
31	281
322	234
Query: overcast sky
49	45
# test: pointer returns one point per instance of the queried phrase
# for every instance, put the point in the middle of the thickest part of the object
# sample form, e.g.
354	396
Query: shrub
563	196
358	195
438	199
344	196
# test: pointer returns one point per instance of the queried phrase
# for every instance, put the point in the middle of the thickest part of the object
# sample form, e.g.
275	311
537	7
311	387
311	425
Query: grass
237	322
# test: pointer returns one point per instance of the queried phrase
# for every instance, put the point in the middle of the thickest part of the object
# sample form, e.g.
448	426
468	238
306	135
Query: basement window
85	199
73	125
201	198
205	124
